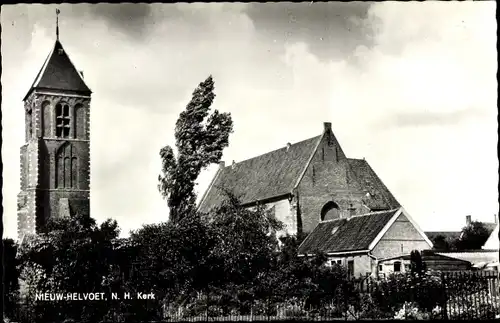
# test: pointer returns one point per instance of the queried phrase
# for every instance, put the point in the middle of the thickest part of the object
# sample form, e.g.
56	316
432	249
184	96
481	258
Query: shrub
426	290
411	311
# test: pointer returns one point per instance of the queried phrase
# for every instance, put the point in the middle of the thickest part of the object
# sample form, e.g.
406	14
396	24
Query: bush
411	311
426	290
368	309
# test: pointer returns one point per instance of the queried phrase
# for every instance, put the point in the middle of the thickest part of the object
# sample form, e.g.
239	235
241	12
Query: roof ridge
319	138
360	215
41	70
376	212
272	151
66	81
332	220
219	170
377	178
74	66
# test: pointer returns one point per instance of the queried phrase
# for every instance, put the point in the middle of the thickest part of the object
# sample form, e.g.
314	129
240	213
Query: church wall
283	211
39	197
82	151
26	219
24	167
327	179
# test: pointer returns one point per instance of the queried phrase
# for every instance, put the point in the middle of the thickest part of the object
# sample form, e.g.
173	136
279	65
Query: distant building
493	240
478	258
55	160
304	183
433	261
435	236
361	242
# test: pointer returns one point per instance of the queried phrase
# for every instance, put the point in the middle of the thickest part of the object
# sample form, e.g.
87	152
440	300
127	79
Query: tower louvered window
63	121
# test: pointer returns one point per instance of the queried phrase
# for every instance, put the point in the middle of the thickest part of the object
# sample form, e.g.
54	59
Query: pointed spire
57	23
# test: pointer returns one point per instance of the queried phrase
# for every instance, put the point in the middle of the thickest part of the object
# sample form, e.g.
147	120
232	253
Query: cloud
425	95
411	87
331	29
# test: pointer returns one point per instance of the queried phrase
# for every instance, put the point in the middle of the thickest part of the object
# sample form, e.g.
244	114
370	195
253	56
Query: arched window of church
46	130
63	120
30	123
79	121
66	167
67	171
74	173
330	211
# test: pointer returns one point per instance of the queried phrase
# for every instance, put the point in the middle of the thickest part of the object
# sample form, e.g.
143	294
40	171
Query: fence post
206	310
251	311
444	296
346	300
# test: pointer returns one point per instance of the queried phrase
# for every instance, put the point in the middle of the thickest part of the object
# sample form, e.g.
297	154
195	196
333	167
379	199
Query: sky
410	87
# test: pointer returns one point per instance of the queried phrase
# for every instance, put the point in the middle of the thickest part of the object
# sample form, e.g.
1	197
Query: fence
453	295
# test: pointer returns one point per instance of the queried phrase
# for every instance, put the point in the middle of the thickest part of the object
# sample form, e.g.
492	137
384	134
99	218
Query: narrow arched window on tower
30	123
46	119
63	121
79	121
67	171
74	174
66	167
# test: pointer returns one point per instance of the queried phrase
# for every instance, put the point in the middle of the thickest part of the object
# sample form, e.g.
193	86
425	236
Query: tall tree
10	278
200	139
75	256
247	241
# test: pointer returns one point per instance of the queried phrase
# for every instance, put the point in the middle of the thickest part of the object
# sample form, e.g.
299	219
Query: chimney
288	145
496	218
222	164
467	220
352	210
327	126
81	73
234	164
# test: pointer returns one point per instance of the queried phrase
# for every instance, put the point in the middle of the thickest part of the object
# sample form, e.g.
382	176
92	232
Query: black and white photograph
261	161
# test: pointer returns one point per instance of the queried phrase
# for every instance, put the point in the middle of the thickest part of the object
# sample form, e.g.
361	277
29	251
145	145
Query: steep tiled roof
355	233
266	176
380	196
59	73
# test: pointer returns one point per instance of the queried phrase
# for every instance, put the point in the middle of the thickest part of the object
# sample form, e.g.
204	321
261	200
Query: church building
304	183
55	159
340	203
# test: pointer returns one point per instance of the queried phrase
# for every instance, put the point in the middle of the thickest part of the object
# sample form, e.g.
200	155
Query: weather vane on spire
57	22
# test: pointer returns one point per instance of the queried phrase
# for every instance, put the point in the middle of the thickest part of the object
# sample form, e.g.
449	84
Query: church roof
356	233
262	177
380	196
59	73
278	172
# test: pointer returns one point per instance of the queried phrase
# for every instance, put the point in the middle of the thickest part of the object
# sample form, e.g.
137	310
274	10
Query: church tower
55	159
